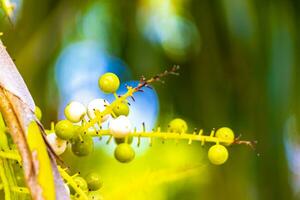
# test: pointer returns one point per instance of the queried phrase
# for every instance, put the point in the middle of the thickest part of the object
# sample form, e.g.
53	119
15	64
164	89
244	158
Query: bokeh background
239	68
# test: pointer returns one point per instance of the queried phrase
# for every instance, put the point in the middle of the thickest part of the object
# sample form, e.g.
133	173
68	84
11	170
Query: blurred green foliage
239	68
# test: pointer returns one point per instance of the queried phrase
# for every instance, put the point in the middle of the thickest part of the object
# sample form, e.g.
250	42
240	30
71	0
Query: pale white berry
97	105
58	145
75	111
120	127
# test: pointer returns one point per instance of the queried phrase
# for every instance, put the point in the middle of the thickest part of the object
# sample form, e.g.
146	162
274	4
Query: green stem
108	110
4	181
167	135
9	176
10	155
22	190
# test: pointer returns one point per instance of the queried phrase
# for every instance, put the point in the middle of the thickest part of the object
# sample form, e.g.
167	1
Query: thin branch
195	136
144	82
130	91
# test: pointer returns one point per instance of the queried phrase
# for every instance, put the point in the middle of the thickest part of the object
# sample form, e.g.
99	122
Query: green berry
177	126
83	146
94	181
109	83
226	134
95	195
124	153
217	154
38	113
65	130
121	109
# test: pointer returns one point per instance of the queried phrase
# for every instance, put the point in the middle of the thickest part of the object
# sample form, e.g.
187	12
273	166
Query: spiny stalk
165	135
130	91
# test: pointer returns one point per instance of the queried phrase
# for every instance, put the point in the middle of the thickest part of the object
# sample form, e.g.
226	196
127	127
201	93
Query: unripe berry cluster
84	122
77	114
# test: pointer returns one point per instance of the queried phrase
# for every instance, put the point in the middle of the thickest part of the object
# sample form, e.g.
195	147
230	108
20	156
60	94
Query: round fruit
58	145
83	146
95	195
120	127
38	113
217	154
124	153
75	111
94	181
121	109
177	126
109	83
97	105
65	130
226	134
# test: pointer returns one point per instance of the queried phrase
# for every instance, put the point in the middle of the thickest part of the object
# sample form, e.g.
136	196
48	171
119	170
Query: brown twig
19	139
251	144
145	83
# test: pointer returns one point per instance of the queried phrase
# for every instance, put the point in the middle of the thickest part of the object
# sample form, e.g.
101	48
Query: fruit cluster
84	122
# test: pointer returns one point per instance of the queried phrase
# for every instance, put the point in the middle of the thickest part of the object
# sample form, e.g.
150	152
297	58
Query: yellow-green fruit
124	153
82	146
109	82
38	113
121	109
94	181
65	130
217	154
177	126
226	134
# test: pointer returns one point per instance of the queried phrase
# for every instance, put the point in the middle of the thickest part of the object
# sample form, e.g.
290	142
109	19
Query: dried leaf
17	108
11	80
